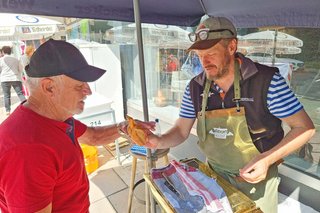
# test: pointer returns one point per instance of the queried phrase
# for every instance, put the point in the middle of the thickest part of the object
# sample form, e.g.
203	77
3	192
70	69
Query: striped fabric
186	108
281	101
187	189
212	202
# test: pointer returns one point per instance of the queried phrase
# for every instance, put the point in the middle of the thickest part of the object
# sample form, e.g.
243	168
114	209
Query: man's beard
225	69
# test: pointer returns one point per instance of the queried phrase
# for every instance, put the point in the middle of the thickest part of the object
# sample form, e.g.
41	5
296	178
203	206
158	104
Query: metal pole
144	96
274	47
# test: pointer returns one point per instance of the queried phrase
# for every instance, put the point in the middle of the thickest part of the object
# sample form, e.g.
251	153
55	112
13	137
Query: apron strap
205	96
236	84
202	115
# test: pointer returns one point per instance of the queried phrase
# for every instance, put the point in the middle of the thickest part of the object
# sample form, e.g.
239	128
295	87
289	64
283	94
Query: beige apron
225	139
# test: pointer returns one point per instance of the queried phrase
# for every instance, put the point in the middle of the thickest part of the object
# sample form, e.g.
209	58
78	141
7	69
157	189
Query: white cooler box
97	111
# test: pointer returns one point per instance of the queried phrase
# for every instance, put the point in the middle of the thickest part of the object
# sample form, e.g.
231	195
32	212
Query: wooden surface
122	142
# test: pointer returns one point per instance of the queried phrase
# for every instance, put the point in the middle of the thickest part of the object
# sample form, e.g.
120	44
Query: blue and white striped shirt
281	101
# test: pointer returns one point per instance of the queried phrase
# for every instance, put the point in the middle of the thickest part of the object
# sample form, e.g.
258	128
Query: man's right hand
152	141
173	137
137	130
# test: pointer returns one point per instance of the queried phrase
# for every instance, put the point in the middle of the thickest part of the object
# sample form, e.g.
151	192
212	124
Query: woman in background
24	61
11	76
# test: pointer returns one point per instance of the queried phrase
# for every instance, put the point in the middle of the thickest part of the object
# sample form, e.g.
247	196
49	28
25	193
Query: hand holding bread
138	130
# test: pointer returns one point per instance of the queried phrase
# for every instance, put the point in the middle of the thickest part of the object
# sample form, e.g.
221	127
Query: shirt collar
59	124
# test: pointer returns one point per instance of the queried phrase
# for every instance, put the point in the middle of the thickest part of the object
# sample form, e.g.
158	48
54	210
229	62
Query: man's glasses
204	34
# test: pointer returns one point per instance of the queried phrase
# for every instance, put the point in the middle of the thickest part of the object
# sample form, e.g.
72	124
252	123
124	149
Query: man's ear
47	86
233	46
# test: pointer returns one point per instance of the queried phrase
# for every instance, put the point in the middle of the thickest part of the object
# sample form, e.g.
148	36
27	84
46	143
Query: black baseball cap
56	57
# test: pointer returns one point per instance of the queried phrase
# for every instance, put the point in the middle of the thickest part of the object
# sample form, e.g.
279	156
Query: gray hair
226	41
34	83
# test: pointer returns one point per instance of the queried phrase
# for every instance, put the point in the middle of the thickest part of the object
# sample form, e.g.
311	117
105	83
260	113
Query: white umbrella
267	38
15	27
266	49
270	41
154	34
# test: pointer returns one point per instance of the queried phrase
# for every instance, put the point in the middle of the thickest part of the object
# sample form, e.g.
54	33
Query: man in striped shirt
239	106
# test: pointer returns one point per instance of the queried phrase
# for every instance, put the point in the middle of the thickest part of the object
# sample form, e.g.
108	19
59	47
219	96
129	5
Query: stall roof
244	13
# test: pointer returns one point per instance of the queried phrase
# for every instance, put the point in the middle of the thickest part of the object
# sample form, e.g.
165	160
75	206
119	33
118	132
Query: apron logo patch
220	133
247	99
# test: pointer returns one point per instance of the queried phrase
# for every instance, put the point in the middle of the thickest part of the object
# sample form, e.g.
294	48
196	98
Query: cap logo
202	26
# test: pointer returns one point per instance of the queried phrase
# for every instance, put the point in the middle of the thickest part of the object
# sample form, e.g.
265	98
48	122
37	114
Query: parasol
271	42
165	36
14	27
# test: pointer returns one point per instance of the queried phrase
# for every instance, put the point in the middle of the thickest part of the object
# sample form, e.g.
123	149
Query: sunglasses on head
203	34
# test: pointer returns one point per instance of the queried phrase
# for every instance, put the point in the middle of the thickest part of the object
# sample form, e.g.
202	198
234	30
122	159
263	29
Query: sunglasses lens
203	35
192	37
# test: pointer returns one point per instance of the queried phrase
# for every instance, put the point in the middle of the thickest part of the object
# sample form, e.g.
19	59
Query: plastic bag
192	66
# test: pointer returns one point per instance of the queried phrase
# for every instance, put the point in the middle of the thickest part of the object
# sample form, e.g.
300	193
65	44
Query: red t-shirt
40	164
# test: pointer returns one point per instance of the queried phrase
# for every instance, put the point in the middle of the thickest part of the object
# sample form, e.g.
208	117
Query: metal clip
237	104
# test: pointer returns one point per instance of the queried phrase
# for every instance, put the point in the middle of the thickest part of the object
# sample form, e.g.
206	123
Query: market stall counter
239	202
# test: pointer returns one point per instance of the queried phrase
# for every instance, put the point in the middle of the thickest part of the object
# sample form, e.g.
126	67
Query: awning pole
136	6
274	47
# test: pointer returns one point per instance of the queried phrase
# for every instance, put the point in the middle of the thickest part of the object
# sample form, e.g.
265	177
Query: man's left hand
255	171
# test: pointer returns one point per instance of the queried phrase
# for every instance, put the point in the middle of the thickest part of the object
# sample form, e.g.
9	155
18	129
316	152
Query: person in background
239	106
172	66
24	61
25	58
42	166
173	63
164	61
11	76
